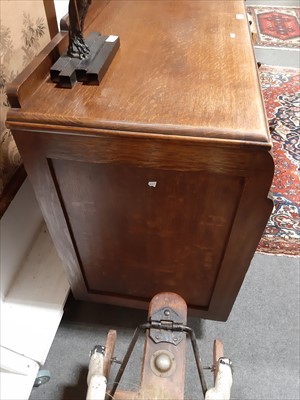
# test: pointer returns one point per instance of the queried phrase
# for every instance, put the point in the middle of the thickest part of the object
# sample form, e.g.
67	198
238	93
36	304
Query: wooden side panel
140	231
172	109
131	218
40	177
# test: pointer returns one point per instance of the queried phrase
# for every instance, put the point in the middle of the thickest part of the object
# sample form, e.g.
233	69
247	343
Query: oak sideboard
157	179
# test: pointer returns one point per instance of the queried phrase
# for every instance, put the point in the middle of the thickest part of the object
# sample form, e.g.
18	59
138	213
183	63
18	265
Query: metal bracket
226	361
115	360
166	326
98	349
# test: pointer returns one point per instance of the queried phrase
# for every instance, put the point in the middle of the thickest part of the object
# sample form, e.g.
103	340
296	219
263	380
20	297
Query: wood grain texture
109	351
51	17
153	386
172	235
176	236
218	352
173	72
11	189
166	387
178	109
30	79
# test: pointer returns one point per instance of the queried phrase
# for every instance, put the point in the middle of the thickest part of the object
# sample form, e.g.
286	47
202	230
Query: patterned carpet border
276	26
281	91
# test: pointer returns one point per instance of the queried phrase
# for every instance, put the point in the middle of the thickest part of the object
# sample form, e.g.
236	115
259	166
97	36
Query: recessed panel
140	231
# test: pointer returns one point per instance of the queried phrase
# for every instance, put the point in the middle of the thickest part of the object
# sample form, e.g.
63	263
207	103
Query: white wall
18	228
61	9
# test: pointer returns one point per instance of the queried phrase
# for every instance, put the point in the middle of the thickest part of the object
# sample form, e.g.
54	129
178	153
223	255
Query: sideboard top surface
184	68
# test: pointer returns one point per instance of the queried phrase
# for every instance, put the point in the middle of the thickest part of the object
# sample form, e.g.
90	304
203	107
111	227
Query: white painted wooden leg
96	380
97	388
223	383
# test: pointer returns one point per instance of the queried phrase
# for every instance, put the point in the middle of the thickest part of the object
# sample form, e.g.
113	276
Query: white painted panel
18	228
34	303
15	363
16	387
17	375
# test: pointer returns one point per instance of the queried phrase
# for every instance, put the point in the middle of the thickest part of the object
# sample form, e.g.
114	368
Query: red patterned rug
276	26
281	90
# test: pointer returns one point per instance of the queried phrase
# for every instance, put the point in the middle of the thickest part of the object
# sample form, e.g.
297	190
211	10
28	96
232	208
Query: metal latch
166	325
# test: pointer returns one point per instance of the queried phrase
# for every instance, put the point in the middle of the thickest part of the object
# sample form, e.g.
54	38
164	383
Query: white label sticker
152	184
239	16
111	38
232	35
